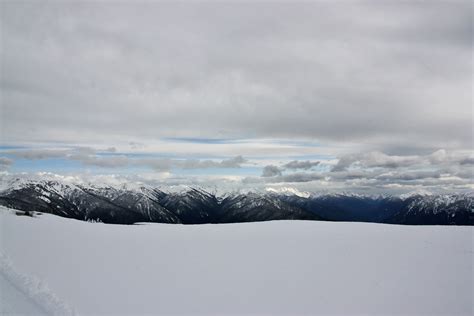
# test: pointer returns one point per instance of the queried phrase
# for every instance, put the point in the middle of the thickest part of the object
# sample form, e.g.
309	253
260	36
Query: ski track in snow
34	291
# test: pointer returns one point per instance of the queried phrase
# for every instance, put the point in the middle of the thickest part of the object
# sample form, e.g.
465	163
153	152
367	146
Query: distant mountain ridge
196	206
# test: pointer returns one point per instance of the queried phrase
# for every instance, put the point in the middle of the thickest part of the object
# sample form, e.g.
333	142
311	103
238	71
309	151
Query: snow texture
27	294
271	268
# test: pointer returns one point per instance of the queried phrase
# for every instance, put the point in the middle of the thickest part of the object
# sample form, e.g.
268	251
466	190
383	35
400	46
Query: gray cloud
104	162
332	71
274	171
351	175
409	176
387	177
380	160
465	174
300	177
136	145
234	162
156	164
45	153
85	155
287	178
295	164
375	159
90	157
271	171
467	161
165	164
5	163
378	170
38	154
159	164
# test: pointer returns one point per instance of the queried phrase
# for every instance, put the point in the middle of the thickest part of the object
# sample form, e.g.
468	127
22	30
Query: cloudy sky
319	95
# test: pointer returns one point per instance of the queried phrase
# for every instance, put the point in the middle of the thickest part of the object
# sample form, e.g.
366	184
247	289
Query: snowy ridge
438	203
288	191
34	289
128	204
61	183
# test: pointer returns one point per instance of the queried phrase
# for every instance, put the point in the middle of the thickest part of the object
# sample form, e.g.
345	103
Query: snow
24	294
13	301
288	191
280	267
419	192
44	198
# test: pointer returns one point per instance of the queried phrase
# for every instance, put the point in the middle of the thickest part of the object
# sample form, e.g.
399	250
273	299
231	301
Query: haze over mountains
196	206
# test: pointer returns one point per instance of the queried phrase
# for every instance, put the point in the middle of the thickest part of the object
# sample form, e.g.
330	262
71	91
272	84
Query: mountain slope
195	206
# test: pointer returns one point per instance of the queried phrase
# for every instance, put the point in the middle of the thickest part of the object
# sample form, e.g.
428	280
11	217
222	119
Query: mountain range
124	205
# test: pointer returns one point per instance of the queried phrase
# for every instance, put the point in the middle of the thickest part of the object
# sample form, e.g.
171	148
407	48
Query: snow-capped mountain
128	205
434	209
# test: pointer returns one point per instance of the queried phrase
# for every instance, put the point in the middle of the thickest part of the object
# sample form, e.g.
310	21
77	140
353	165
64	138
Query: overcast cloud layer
384	72
304	92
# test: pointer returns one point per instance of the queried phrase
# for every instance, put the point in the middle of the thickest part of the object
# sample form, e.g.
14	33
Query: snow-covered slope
282	267
15	302
22	294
